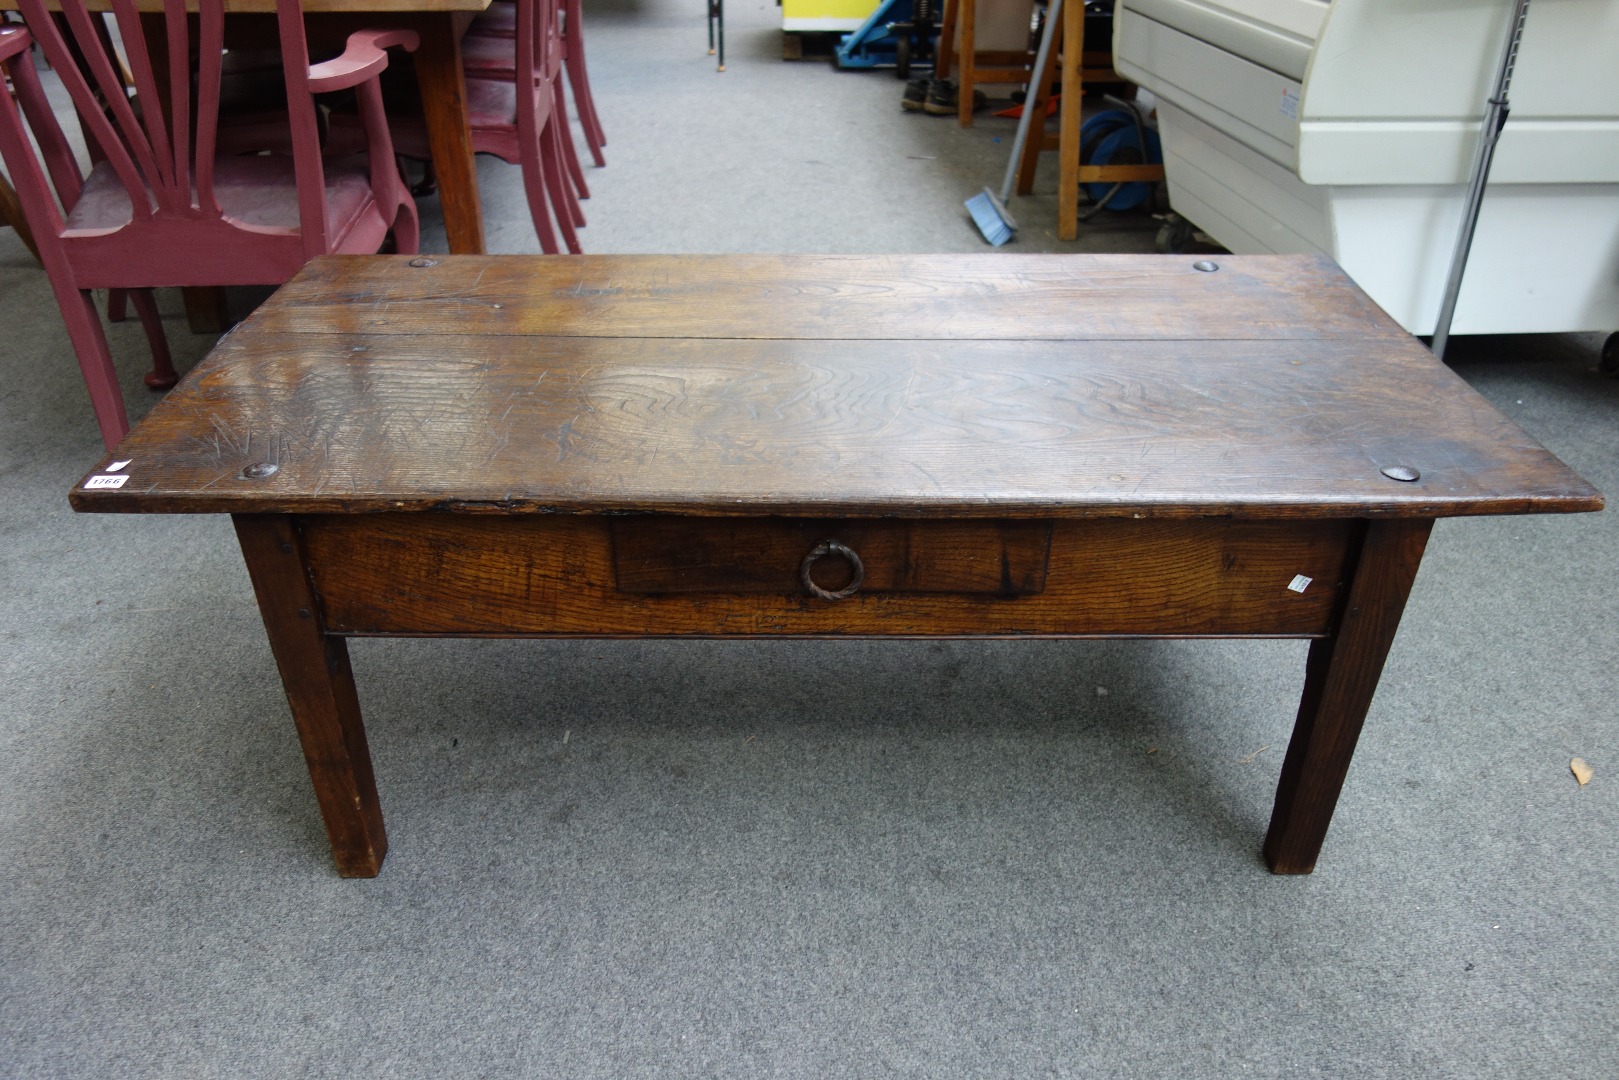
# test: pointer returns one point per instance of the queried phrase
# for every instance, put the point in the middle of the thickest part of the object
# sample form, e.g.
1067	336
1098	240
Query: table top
946	385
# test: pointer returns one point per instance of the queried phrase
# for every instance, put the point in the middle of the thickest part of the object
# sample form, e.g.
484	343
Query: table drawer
582	576
785	557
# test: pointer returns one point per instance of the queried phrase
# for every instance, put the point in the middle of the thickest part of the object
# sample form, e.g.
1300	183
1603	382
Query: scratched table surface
1004	385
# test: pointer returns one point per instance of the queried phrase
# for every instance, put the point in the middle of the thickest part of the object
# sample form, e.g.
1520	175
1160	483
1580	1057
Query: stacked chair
518	113
484	54
516	56
163	205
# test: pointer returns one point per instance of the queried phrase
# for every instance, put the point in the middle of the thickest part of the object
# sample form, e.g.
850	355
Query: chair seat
491	117
491	103
488	54
260	191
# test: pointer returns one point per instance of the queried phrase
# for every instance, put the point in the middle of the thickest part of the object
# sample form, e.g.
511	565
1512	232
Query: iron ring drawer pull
831	547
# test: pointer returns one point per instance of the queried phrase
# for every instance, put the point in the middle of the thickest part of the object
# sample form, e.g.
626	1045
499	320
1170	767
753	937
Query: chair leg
428	184
407	228
579	81
162	375
531	161
540	210
570	156
562	196
117	305
95	360
588	121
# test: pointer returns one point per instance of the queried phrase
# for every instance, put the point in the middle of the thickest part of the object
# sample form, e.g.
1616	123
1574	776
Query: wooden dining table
440	25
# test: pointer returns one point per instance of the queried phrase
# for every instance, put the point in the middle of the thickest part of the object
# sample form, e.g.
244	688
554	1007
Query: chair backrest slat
180	101
305	129
140	66
538	63
528	26
210	65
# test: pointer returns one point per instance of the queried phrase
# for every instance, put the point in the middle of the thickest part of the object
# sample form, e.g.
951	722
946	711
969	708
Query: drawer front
663	555
644	576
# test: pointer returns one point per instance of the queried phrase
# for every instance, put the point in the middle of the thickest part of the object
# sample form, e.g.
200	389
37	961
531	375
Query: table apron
420	574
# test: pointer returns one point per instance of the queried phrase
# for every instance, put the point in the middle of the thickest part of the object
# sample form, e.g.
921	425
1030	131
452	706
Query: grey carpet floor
796	859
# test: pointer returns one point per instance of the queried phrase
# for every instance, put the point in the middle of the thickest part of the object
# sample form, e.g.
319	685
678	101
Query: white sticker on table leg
118	466
1299	583
107	481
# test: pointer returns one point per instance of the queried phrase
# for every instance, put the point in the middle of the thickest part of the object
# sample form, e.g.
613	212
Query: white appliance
1348	127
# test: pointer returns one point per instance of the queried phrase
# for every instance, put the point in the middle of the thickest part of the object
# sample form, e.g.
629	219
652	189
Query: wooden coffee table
910	446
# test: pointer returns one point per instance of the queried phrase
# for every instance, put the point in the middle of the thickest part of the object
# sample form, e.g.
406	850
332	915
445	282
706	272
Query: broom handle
1495	117
1026	121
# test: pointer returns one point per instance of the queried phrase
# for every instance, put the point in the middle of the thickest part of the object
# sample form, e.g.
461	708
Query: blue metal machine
898	33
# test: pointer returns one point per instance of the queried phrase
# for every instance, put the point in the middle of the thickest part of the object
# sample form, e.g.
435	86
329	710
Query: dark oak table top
1004	385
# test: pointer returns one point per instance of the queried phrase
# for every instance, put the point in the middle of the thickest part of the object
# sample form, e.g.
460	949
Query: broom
988	210
1495	118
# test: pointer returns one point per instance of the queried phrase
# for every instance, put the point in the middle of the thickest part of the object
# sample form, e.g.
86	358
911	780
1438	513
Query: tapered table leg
444	108
1339	680
320	688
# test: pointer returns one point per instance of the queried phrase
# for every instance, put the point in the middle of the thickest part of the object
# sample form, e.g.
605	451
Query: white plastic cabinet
1349	127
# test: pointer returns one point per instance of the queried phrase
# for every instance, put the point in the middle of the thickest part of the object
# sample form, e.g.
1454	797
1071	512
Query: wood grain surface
827	297
455	574
1172	427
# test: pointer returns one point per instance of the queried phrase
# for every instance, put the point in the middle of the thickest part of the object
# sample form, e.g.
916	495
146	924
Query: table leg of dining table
444	107
319	683
1340	678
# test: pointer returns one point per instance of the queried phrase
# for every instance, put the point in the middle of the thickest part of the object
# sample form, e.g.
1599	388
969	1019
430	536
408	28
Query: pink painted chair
488	59
487	50
164	208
